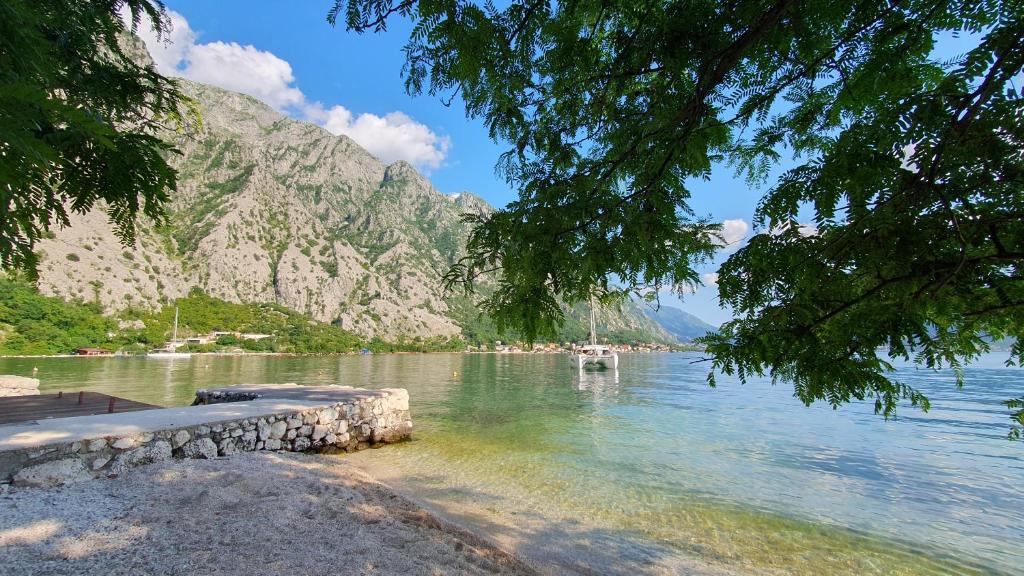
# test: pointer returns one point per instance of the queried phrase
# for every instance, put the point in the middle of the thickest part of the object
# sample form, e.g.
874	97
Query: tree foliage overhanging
78	119
912	167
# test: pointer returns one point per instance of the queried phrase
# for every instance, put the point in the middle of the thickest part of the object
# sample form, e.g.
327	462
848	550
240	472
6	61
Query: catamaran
594	355
170	351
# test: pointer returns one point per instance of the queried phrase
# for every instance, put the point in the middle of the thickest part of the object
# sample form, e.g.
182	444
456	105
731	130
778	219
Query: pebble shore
252	513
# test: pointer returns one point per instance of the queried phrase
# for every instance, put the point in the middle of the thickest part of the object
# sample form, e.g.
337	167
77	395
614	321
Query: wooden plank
28	408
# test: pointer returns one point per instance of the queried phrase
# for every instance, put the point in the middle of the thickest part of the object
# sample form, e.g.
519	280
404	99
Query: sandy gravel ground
251	514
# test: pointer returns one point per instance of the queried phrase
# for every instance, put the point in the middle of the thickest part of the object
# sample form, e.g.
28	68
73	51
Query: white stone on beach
179	438
124	443
278	429
97	444
327	415
156	452
53	473
200	448
319	431
228	447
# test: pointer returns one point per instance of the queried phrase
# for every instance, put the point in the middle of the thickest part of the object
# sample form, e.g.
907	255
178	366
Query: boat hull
584	361
168	355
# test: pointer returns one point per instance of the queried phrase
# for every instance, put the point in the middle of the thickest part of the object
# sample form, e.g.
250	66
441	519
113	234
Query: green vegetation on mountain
910	164
32	324
79	120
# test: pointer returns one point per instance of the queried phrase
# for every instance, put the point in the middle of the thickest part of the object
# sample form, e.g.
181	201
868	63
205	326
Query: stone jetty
226	420
18	386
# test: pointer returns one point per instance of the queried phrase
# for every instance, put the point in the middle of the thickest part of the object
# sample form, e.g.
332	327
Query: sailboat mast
593	323
174	335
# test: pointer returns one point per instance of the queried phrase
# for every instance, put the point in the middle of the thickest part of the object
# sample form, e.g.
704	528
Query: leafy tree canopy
78	117
911	166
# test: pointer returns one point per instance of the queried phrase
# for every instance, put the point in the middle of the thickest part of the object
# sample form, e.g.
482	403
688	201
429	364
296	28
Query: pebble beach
252	513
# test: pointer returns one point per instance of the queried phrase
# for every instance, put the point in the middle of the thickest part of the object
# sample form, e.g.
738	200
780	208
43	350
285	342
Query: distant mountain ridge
271	209
683	325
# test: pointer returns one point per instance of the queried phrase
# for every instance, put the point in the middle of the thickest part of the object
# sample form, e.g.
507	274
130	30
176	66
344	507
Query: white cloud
803	229
734	232
808	230
391	137
261	74
244	69
168	53
710	279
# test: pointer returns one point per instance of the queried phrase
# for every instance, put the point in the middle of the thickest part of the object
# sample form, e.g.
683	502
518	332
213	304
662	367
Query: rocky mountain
682	325
271	209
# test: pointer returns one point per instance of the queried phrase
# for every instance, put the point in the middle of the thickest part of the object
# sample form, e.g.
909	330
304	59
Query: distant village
570	347
497	346
211	338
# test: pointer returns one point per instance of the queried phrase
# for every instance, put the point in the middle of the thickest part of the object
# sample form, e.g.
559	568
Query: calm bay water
649	470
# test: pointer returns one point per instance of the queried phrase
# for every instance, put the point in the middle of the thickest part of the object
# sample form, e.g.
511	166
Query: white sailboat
594	355
170	351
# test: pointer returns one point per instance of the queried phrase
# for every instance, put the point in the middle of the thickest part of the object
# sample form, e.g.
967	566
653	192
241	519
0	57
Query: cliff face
684	326
270	209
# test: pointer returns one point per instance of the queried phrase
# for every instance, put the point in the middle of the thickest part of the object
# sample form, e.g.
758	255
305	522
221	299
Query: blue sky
287	55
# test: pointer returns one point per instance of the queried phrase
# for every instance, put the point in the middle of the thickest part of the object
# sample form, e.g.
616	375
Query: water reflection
597	380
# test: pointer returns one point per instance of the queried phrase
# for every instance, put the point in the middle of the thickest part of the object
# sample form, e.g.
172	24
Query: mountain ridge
681	324
273	209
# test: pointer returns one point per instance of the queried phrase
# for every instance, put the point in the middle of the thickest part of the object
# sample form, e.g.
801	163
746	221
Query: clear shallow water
652	471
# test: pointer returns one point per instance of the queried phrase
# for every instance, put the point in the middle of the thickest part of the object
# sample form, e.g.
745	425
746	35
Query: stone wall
355	424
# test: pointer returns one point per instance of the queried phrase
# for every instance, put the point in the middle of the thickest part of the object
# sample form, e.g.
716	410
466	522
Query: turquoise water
648	470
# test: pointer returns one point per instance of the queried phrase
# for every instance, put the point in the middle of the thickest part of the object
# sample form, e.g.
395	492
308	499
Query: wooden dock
15	409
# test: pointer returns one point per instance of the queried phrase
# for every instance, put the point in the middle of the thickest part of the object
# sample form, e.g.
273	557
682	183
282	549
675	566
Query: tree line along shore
32	324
